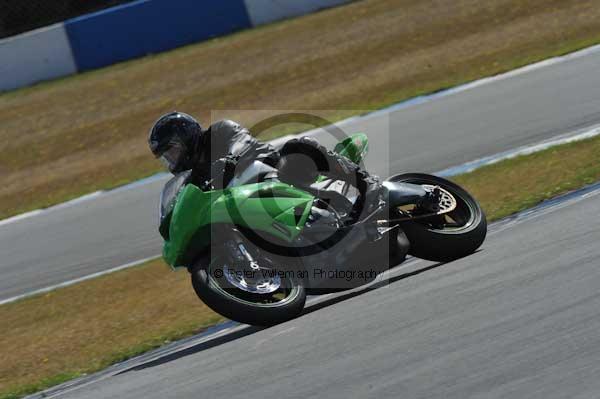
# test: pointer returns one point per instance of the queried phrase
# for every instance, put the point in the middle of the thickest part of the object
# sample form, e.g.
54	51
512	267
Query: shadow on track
253	329
196	348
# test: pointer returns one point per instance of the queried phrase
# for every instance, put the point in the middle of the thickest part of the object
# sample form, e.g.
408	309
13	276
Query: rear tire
438	244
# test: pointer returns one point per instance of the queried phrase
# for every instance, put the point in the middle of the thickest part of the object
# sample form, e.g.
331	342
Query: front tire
245	307
430	239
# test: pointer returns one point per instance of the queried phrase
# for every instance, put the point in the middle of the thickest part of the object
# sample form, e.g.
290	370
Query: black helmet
173	138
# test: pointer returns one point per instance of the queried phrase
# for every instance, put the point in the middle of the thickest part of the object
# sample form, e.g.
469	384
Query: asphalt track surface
518	319
115	229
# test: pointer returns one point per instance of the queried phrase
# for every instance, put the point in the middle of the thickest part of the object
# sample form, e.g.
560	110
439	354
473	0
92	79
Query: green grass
86	327
43	384
520	183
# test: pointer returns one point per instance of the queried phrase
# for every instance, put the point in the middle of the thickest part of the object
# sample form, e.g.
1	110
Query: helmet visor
172	157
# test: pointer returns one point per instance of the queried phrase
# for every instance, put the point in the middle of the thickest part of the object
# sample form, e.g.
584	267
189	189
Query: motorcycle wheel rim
286	292
463	216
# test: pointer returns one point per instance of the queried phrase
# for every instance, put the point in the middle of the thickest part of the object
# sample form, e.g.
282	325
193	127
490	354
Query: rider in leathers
214	153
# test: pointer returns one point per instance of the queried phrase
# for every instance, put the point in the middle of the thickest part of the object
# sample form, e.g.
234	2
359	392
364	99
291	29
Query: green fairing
354	148
258	206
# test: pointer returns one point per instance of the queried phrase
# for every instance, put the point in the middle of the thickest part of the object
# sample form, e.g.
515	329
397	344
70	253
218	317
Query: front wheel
258	297
446	237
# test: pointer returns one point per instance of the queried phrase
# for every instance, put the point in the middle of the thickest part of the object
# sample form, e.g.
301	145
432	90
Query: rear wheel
448	236
263	294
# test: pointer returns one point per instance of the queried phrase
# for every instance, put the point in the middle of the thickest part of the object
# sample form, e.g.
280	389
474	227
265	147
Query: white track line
524	150
62	205
453	171
374	114
78	280
230	327
21	216
464	168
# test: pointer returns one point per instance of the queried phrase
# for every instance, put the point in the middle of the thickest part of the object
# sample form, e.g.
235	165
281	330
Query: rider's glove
222	171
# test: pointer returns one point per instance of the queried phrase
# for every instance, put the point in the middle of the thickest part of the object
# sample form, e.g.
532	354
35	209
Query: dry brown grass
65	138
88	326
49	338
513	185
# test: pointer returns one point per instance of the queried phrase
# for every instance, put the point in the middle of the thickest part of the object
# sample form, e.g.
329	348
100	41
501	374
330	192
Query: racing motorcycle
258	247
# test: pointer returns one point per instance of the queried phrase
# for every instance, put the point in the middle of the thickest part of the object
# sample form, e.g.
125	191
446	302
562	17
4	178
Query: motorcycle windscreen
167	201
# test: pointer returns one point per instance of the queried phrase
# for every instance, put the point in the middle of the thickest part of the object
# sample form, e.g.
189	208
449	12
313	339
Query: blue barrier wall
133	30
150	26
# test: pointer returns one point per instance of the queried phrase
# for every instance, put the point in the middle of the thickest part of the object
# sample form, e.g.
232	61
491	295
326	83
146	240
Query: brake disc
447	202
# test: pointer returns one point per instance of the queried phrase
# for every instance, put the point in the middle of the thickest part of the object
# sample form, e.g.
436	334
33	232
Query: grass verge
516	184
50	338
91	128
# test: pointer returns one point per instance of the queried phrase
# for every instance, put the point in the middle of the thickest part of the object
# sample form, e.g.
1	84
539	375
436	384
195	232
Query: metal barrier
125	31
